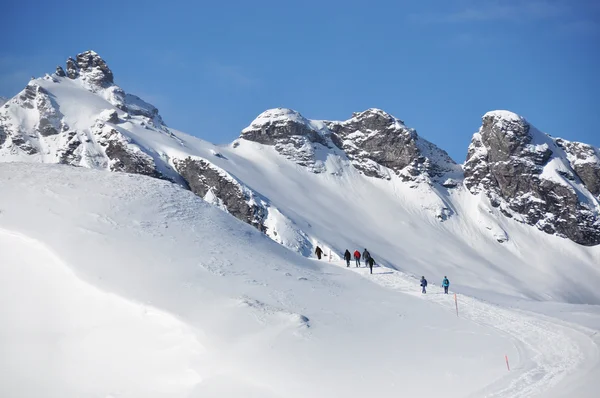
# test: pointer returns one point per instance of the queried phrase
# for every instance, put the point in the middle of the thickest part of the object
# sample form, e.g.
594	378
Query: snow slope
417	227
119	285
402	225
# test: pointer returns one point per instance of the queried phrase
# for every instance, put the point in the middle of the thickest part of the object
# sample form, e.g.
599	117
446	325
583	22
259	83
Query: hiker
318	252
347	257
370	262
424	284
445	283
366	255
357	258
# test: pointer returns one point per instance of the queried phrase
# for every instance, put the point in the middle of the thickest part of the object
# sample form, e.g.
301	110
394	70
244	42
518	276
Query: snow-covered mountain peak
534	178
275	116
503	115
380	144
293	136
372	114
90	68
278	122
81	117
376	143
3	100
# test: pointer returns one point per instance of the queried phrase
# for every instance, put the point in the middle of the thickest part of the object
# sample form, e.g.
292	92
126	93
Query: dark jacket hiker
370	263
424	284
318	252
366	255
347	257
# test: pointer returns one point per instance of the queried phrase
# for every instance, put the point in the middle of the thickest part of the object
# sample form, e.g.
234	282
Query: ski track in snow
548	350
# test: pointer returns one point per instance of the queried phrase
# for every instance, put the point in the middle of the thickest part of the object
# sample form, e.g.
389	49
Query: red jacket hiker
357	258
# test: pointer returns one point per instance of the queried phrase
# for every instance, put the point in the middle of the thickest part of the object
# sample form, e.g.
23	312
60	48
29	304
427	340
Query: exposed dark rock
94	68
202	177
45	127
276	124
508	160
28	95
292	135
128	161
68	153
373	140
373	137
109	116
585	160
60	71
19	141
72	69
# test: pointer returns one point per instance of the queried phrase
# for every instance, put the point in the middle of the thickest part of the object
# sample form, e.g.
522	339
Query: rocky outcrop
374	138
585	160
221	189
32	123
90	67
528	176
226	192
552	184
374	141
292	135
60	72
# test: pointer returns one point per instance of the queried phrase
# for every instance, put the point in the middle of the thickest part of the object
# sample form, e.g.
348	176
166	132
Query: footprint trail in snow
549	349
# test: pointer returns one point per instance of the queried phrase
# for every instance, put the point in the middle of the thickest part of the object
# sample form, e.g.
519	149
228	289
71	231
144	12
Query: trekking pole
456	304
329	255
507	367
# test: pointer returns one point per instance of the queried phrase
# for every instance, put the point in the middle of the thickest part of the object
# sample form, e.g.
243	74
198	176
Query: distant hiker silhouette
370	263
424	285
366	255
357	258
319	252
445	284
347	257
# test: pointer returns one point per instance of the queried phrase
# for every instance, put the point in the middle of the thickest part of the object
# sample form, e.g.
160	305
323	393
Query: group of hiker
366	256
370	262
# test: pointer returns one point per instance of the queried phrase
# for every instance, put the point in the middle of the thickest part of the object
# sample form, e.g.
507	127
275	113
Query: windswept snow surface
117	285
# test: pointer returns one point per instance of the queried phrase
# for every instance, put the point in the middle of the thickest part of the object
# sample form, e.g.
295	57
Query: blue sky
439	65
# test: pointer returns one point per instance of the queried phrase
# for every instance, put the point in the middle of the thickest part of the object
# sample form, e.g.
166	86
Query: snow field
548	350
62	337
235	311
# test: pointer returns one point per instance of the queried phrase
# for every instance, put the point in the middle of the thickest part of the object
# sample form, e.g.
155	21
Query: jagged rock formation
91	68
292	135
374	141
374	138
79	116
228	193
32	123
529	177
585	160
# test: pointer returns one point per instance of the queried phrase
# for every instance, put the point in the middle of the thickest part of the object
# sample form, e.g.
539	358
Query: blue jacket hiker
423	284
445	284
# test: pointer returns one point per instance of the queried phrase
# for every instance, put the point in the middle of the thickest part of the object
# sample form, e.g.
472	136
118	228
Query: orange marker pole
456	304
507	367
